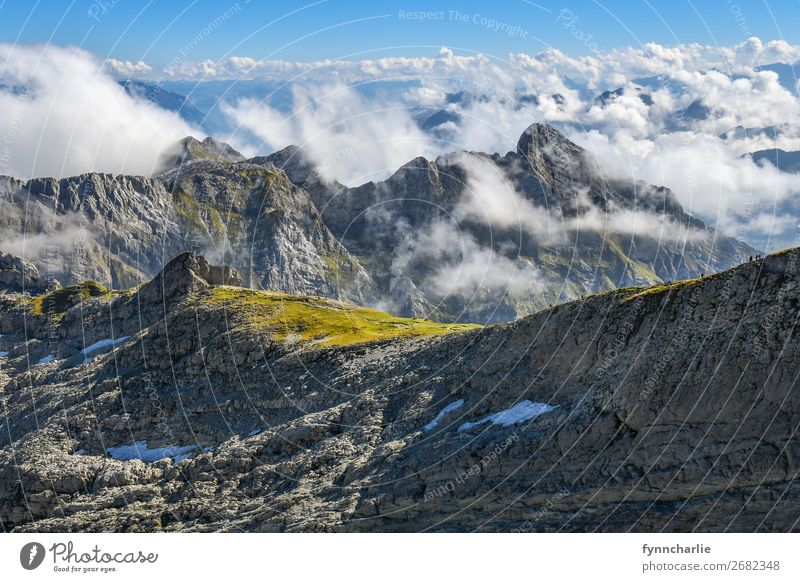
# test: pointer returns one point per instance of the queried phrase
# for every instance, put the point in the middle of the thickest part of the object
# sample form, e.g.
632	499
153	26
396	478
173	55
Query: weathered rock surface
189	150
675	409
20	276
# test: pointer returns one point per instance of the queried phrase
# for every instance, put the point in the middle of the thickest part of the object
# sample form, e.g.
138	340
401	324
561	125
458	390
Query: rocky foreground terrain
191	403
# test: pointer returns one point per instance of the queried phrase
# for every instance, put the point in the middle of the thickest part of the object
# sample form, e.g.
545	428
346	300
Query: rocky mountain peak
190	149
186	273
296	162
543	140
553	159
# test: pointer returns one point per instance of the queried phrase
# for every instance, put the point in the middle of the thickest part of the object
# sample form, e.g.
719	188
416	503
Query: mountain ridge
286	227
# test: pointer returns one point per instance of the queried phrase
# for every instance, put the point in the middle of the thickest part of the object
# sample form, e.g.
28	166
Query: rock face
665	408
20	276
119	230
190	149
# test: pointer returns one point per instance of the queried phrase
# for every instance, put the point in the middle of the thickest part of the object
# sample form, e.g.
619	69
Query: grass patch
214	218
188	209
782	252
638	268
233	225
58	302
659	289
323	322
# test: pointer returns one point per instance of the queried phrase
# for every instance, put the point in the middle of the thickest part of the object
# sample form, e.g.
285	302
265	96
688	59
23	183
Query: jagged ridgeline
193	404
468	237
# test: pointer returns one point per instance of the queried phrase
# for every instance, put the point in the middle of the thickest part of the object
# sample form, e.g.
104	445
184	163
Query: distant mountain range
467	237
164	99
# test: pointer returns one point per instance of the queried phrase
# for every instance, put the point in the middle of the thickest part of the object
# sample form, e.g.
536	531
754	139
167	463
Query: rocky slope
651	408
417	244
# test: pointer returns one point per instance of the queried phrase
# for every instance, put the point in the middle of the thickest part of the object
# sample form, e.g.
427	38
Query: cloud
598	69
127	69
350	139
463	265
707	175
61	114
490	198
58	234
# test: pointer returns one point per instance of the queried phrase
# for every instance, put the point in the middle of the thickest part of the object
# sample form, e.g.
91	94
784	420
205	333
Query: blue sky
157	32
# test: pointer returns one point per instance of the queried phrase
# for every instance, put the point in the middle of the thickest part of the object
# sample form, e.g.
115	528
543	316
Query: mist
61	114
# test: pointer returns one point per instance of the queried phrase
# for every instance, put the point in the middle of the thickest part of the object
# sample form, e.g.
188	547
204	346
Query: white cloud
350	139
490	198
61	114
611	68
127	69
708	176
465	266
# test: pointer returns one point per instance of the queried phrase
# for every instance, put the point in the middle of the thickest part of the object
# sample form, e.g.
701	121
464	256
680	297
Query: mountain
192	404
781	159
189	150
581	231
740	132
20	276
120	230
469	237
608	97
787	74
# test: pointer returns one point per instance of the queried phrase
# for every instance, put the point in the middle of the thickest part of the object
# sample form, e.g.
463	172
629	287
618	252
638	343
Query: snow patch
46	360
446	410
140	450
105	343
520	412
3	354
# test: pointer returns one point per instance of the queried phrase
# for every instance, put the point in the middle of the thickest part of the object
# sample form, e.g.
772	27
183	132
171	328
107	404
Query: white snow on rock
520	412
104	344
46	360
140	450
446	410
3	354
